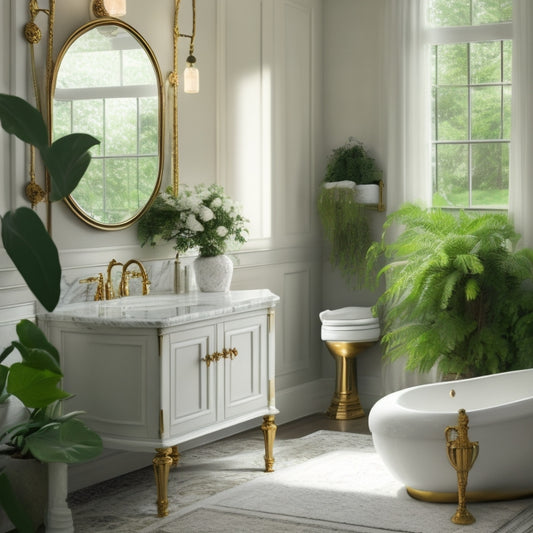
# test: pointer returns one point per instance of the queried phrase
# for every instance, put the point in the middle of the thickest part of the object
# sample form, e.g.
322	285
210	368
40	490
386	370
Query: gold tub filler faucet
105	290
462	454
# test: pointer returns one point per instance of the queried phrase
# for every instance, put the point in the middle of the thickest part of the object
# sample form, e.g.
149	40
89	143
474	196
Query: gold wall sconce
108	8
191	84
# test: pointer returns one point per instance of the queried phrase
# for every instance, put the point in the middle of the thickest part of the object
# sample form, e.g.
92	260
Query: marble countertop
161	310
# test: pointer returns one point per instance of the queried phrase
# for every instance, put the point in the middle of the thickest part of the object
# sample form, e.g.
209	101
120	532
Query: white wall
353	40
257	124
282	83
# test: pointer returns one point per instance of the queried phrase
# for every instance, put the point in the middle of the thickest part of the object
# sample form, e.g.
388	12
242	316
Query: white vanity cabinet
155	371
202	392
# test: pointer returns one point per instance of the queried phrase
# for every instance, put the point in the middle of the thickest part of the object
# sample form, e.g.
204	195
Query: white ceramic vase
213	274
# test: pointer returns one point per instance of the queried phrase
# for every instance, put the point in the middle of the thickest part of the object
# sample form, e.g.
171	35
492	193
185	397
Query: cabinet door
190	383
246	376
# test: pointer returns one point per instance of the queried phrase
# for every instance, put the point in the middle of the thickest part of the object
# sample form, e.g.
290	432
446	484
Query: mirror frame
74	206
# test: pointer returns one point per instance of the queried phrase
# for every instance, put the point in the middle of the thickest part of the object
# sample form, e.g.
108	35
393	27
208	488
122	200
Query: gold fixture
108	8
173	79
462	454
109	290
345	404
99	295
381	203
33	35
162	462
271	319
124	289
472	496
175	456
452	393
269	433
216	356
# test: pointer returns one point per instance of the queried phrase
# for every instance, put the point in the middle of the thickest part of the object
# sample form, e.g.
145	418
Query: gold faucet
109	290
124	288
99	295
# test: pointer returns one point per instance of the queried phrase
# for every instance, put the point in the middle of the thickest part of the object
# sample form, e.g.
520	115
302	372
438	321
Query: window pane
506	134
507	60
452	113
485	62
121	140
452	64
491	11
490	174
469	12
148	125
450	13
486	113
88	116
451	180
90	190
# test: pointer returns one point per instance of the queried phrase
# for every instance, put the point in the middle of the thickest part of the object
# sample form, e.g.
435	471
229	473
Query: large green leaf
67	160
41	360
13	508
65	442
34	387
32	337
23	120
34	253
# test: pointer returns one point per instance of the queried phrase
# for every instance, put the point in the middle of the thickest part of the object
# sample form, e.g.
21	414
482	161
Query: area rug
345	490
126	504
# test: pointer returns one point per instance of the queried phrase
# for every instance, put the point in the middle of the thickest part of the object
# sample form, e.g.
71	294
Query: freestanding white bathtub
408	431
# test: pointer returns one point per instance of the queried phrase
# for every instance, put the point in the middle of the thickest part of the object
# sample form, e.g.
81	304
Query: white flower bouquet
202	217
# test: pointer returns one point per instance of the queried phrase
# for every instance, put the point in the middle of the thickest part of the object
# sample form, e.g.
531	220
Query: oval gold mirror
107	83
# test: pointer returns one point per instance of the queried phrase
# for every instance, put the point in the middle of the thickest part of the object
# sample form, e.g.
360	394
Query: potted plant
459	294
342	211
203	218
48	434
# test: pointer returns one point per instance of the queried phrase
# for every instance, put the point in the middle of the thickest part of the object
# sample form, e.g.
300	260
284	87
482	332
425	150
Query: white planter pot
213	274
367	194
363	194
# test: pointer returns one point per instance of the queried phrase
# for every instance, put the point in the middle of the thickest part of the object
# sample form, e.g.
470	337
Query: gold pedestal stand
462	454
345	404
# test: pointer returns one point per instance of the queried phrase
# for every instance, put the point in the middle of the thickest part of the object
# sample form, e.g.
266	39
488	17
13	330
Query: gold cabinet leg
175	456
162	462
269	433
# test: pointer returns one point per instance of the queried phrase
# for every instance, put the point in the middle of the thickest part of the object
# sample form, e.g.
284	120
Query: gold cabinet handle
230	354
212	358
216	356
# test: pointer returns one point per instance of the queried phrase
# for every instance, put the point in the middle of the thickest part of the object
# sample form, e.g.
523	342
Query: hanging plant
347	231
343	216
353	163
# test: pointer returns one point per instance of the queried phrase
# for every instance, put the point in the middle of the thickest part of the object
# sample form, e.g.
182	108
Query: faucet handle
99	295
145	281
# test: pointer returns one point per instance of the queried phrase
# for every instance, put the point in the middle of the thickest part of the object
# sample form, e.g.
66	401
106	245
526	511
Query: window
471	102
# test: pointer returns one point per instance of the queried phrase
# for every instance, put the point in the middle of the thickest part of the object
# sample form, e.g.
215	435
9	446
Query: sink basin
161	310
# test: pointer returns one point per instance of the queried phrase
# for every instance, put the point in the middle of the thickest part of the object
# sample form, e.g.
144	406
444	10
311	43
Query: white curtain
406	120
521	163
406	129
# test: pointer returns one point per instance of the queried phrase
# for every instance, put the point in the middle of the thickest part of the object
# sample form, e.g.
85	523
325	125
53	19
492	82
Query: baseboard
303	400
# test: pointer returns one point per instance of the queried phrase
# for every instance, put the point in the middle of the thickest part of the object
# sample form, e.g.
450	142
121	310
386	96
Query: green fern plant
458	293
